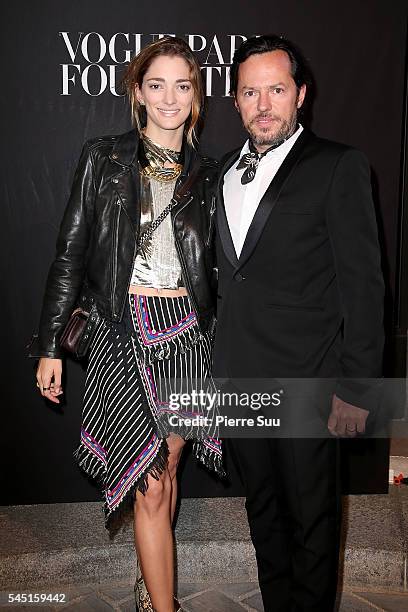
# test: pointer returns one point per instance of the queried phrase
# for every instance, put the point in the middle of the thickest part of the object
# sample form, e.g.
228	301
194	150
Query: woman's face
167	94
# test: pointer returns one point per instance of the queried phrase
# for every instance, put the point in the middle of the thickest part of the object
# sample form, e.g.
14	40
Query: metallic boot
142	597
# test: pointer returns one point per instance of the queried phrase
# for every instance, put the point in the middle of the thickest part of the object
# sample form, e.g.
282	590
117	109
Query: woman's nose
169	96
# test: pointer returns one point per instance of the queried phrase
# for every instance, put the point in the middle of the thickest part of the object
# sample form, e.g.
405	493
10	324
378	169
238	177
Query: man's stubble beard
263	138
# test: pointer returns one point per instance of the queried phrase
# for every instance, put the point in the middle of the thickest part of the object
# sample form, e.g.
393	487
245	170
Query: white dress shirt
241	201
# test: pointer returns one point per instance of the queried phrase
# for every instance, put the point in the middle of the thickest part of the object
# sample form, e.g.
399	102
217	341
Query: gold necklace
156	156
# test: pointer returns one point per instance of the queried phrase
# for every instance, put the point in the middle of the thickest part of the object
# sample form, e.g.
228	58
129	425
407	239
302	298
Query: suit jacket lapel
222	221
271	195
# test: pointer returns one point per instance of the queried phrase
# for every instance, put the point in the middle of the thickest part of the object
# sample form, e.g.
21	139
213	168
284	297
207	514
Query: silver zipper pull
213	206
212	211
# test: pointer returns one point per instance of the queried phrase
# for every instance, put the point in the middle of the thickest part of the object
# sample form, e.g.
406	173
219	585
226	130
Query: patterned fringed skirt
137	371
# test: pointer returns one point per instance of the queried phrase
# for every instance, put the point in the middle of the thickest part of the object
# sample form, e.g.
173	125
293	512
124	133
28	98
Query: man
300	295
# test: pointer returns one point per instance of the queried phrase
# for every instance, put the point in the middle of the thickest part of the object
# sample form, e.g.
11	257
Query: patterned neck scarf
152	158
250	161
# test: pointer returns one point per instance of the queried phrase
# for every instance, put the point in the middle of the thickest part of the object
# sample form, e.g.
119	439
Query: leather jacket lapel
271	196
126	185
182	189
126	180
222	221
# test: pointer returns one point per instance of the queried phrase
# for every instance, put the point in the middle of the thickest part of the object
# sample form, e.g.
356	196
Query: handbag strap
181	192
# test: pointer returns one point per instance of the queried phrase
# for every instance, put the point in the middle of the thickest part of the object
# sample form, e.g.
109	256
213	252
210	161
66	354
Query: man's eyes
248	93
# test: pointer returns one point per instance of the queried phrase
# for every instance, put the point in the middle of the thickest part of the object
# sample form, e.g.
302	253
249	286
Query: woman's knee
172	467
176	444
157	495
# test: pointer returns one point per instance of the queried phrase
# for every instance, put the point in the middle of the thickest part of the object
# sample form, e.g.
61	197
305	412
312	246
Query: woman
146	276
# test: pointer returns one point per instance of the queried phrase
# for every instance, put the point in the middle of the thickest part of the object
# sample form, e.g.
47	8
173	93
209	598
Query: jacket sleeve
67	271
354	238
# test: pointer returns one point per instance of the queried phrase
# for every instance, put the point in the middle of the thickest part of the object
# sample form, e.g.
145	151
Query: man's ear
301	95
236	104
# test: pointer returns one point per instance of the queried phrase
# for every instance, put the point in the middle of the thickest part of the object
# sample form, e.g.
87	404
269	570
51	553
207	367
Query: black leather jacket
98	235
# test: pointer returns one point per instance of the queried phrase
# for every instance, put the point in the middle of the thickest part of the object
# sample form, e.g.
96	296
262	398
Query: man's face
267	98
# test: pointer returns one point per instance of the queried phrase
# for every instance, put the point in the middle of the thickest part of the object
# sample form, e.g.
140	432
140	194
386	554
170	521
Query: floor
204	597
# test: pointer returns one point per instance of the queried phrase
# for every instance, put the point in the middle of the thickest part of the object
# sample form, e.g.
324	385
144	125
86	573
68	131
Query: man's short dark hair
265	44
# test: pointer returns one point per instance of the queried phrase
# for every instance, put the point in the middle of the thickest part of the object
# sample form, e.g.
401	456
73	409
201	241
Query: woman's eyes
181	86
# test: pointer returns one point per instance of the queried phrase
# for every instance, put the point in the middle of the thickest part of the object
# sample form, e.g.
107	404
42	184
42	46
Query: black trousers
293	505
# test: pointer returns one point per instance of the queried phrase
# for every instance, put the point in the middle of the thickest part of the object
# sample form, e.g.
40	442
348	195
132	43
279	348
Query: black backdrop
59	60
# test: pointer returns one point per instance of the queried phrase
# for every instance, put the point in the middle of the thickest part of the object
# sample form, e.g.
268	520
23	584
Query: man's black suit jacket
305	297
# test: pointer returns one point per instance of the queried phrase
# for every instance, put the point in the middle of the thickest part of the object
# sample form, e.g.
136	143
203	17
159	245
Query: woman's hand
49	378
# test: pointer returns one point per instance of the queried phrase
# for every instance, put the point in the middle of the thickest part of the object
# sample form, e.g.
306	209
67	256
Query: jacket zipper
129	279
114	253
182	261
120	314
122	308
212	211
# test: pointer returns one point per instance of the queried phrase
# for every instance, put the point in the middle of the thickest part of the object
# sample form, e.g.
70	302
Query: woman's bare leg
176	444
154	541
153	532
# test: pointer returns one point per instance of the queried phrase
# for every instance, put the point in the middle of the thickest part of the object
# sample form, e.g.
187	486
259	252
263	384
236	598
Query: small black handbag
79	332
76	337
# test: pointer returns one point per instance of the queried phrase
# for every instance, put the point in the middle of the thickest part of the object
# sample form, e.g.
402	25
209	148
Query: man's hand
345	419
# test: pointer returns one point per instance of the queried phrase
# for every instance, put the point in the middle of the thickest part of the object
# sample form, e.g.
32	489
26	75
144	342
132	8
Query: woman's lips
168	113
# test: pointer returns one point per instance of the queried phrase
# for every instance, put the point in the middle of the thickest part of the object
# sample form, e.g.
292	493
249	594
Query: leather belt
171	293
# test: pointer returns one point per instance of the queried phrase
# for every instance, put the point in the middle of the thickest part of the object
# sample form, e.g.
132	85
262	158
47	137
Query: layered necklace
153	157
